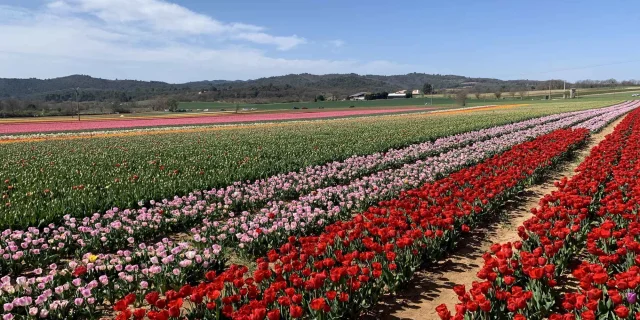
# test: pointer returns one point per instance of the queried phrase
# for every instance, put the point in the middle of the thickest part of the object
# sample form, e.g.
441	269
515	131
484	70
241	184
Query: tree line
24	97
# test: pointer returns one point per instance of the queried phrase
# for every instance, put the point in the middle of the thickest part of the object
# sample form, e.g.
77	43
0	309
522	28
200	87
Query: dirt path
433	285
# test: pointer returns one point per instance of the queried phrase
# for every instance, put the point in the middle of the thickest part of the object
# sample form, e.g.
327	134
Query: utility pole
431	96
564	91
78	103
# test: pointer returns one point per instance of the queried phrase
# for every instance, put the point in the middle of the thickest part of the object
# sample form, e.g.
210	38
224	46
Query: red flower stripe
519	279
610	271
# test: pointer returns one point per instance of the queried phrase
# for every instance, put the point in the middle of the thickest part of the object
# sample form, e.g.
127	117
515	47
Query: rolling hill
287	87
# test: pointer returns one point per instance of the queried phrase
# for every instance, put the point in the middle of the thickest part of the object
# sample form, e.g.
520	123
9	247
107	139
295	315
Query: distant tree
477	92
512	92
461	97
409	94
427	88
120	107
320	98
12	105
172	105
522	93
498	93
158	104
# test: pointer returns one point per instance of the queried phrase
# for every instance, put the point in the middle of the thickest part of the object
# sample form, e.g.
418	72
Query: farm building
398	95
358	96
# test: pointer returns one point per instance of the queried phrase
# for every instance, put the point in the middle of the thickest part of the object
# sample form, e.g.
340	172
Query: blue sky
188	40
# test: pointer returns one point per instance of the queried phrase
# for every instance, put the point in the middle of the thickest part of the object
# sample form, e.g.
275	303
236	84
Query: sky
191	40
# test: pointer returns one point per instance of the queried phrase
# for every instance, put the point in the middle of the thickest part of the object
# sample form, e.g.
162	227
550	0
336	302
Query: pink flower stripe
217	119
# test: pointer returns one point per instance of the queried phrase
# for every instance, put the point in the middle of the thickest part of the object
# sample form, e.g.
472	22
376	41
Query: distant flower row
145	130
54	126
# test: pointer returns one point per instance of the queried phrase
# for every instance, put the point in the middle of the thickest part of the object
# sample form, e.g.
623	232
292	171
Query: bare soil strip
433	285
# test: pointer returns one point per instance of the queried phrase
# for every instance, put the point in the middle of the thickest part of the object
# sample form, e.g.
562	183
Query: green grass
310	105
438	101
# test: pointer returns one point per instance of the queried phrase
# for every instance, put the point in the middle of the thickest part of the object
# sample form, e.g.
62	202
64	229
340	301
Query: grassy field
42	181
311	105
437	100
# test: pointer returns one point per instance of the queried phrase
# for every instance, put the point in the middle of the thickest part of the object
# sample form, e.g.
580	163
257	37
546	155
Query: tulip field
41	182
319	220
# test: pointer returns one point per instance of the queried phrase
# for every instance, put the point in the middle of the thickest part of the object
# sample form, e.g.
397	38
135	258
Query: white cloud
59	41
283	43
337	43
166	17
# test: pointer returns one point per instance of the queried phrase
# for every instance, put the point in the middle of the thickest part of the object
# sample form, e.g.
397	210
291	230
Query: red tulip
295	311
443	312
79	271
621	311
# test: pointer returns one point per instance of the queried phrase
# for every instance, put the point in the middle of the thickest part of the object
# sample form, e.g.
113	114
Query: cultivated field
322	219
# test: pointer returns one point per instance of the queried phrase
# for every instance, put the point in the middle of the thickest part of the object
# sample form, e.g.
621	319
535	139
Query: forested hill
289	87
292	87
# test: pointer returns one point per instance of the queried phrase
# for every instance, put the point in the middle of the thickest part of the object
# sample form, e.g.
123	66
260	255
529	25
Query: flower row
520	279
609	274
347	267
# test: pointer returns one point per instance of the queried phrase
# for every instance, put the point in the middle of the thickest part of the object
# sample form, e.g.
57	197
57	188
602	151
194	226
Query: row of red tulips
352	263
520	280
609	273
